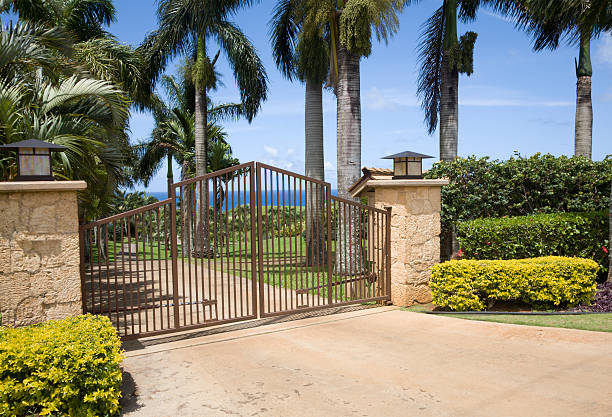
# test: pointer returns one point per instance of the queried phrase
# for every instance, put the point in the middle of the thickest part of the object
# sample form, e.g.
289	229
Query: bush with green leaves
61	367
543	283
481	187
583	235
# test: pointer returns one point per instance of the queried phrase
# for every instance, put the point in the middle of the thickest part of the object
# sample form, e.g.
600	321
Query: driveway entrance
375	362
237	244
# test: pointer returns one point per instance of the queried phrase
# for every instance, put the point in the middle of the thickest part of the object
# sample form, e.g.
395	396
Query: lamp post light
407	165
34	159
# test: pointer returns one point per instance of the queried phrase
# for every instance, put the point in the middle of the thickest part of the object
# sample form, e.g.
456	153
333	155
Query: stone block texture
39	256
415	239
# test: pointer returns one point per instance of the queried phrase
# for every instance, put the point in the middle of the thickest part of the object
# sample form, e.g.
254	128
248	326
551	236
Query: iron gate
244	242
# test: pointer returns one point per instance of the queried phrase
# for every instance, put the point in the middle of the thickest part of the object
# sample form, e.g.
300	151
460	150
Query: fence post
260	243
174	250
329	243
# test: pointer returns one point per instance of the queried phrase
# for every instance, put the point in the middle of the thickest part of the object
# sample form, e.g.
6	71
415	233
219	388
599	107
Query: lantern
407	165
34	159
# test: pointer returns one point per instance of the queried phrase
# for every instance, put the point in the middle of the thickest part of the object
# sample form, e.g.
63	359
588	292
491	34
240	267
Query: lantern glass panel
414	167
34	162
399	166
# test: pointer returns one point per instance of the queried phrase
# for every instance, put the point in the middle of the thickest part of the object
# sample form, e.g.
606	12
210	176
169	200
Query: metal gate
241	243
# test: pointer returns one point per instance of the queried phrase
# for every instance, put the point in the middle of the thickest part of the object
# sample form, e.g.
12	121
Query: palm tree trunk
202	239
584	106
315	168
449	103
449	110
348	253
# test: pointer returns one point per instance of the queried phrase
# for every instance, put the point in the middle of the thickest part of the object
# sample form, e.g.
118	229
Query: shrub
542	283
63	367
481	187
582	235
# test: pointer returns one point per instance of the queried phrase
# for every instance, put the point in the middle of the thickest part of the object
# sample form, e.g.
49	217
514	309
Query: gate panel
361	253
226	241
316	250
126	269
216	226
293	241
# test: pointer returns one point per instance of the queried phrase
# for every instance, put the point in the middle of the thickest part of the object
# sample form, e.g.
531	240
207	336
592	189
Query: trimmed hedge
62	367
582	235
481	187
542	283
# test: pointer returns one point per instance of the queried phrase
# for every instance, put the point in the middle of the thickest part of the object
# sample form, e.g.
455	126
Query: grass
281	267
593	322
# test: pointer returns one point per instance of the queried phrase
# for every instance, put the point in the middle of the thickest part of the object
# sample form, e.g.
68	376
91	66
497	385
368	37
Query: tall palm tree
442	58
578	21
305	56
350	24
184	29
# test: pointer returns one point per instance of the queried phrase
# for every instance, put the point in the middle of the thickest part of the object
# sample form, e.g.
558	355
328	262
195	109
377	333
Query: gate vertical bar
257	273
329	244
174	254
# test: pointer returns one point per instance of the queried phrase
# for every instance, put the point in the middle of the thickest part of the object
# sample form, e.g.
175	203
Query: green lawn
281	266
594	322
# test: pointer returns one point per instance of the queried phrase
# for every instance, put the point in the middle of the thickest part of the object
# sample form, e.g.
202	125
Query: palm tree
305	56
350	24
184	28
578	21
442	57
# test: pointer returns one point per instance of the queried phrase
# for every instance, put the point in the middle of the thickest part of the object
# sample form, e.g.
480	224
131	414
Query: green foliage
542	283
461	55
582	235
355	30
63	367
480	187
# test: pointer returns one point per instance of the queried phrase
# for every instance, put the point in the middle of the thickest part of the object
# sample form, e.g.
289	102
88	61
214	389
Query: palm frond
430	64
283	33
248	68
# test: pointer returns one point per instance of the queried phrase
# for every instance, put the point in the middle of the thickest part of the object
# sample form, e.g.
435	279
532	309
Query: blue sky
516	100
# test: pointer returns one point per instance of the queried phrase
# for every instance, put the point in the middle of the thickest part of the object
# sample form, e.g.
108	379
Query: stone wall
415	238
39	252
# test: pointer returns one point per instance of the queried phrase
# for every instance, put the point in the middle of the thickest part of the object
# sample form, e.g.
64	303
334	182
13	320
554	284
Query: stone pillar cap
373	183
34	186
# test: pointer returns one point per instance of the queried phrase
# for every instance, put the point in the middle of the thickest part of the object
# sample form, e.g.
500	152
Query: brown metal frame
219	287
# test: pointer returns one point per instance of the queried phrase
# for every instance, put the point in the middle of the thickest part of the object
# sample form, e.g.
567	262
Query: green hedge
582	235
542	283
481	187
63	367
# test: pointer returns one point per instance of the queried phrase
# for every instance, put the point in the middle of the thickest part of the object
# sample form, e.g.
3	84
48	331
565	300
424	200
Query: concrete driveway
374	362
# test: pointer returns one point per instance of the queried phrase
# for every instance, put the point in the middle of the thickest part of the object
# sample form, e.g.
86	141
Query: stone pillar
415	233
39	251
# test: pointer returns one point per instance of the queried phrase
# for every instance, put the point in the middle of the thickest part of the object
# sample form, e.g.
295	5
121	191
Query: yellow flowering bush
62	367
542	283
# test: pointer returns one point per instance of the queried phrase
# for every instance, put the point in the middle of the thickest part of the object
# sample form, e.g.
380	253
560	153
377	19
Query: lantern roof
34	143
407	154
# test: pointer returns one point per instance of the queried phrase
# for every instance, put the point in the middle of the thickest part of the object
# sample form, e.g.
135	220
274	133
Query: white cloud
604	52
270	150
498	16
388	99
